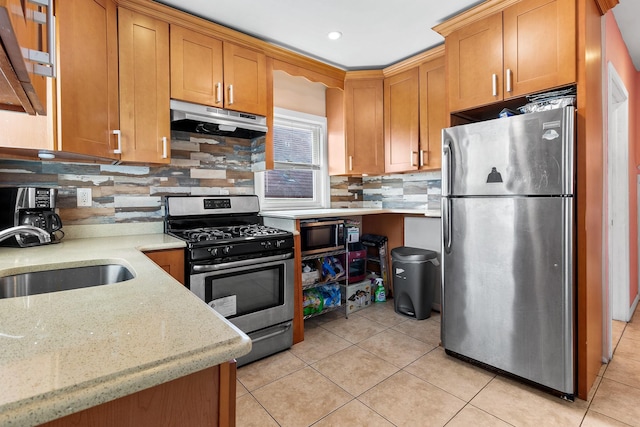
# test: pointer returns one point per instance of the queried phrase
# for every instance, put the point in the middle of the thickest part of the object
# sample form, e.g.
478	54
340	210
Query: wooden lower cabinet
171	261
204	398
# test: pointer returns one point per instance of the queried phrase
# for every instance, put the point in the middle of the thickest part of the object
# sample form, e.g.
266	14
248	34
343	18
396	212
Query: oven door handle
283	329
225	265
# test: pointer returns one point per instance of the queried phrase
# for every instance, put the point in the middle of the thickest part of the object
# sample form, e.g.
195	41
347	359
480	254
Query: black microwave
317	236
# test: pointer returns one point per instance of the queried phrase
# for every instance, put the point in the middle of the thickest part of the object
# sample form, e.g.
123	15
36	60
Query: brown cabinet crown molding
606	5
480	11
184	19
414	61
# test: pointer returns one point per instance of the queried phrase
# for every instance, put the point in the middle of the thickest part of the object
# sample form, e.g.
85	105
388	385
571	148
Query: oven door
251	294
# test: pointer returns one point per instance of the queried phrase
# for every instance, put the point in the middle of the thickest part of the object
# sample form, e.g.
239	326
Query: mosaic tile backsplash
420	190
199	165
121	193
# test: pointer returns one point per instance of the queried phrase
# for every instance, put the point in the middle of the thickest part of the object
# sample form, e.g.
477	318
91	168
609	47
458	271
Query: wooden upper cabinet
433	113
87	77
474	55
539	46
208	71
196	67
355	126
245	79
528	47
401	121
144	88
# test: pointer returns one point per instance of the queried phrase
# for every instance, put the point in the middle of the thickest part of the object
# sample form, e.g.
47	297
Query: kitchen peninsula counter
63	352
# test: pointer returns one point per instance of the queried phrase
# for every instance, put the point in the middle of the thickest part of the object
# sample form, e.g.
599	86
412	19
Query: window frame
321	176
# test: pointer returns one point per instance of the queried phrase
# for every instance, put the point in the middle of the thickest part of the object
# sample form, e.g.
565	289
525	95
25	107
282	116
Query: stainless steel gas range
240	267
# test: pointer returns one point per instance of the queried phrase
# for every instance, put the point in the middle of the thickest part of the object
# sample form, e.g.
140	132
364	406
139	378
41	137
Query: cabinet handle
350	163
218	92
164	147
412	154
118	135
508	79
421	158
230	94
494	84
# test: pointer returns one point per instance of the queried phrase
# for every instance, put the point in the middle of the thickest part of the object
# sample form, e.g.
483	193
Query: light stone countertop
327	213
63	352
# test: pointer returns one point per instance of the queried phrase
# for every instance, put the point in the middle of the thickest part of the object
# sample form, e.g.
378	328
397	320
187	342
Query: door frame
617	218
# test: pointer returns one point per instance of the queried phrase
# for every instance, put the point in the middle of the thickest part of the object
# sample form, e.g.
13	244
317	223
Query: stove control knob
213	251
266	244
226	250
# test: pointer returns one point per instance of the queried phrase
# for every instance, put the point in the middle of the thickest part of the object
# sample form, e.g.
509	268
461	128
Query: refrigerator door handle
446	225
447	159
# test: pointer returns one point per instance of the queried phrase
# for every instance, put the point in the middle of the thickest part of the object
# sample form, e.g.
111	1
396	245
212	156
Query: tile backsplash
419	190
122	193
199	165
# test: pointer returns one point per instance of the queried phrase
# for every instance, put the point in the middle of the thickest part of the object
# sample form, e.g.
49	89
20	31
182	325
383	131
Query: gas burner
206	233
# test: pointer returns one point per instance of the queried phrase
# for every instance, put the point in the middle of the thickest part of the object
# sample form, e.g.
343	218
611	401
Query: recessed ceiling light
334	35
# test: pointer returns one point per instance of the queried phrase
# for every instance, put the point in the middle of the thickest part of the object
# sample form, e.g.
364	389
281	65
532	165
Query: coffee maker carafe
29	206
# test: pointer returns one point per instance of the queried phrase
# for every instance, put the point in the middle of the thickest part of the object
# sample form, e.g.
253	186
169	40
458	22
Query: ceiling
375	33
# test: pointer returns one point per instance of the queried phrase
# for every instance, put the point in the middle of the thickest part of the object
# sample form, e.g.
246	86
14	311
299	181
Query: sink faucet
41	234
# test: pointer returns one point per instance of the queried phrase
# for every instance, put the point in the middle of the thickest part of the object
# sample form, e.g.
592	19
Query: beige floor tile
353	414
628	348
632	330
618	401
427	330
459	378
383	313
624	370
249	413
318	343
594	388
240	389
396	348
522	405
355	328
301	398
406	400
617	327
355	370
262	372
595	419
472	416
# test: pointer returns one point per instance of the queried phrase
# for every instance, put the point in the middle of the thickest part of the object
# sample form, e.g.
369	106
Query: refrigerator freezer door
508	285
530	154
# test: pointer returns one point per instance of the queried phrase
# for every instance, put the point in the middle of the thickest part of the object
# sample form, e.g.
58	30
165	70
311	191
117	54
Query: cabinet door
87	77
539	46
433	113
364	126
401	121
144	88
171	261
196	67
474	64
245	80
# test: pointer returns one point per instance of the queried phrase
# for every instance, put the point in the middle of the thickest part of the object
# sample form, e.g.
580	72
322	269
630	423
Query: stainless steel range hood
202	119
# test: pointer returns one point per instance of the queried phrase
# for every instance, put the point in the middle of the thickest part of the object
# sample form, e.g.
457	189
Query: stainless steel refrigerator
508	245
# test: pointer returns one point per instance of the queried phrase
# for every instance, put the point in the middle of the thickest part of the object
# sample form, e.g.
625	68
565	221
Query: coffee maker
29	206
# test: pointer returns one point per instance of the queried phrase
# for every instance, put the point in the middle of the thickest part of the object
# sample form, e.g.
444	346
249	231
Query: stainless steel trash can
415	273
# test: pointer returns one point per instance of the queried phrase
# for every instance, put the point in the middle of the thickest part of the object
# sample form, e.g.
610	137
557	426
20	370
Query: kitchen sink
63	279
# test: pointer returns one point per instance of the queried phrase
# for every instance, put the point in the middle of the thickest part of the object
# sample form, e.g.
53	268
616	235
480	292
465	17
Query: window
299	179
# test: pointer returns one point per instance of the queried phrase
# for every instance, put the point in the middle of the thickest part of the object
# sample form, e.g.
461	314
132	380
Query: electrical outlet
84	197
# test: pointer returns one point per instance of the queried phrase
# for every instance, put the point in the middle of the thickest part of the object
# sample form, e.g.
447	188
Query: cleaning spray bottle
380	294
